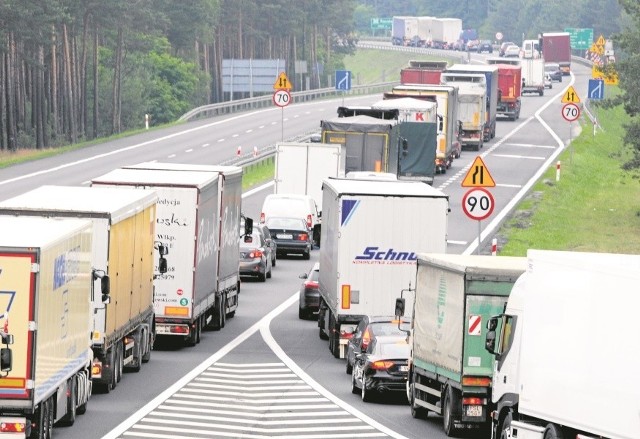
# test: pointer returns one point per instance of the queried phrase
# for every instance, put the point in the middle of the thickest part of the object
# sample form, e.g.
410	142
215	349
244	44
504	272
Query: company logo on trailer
390	256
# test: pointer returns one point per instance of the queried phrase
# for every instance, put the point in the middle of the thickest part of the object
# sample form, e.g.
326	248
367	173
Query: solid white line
147	408
244	427
244	381
169	413
531	145
289	414
182	397
189	150
511	156
509	185
497	221
250	388
241	366
248	374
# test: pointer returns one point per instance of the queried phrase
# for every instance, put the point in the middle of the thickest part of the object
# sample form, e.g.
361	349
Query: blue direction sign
343	80
596	89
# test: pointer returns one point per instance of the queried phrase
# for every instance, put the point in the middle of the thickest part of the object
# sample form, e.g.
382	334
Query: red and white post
558	171
239	151
494	247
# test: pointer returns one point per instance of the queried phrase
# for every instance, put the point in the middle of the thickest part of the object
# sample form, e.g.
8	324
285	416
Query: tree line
74	70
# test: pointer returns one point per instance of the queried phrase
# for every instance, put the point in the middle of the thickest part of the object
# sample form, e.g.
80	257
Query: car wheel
365	394
354	387
306	255
302	314
349	368
262	277
269	273
273	261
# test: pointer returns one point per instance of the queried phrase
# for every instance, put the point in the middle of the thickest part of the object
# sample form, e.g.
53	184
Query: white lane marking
508	185
235	135
457	242
171	156
188	150
497	221
204	145
531	145
221	140
249	130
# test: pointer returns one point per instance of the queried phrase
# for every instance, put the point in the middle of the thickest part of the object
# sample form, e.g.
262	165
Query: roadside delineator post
255	151
146	121
558	171
494	247
239	151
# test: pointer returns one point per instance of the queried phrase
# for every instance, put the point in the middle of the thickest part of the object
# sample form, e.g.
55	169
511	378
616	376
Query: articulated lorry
472	108
123	330
449	146
45	321
491	74
445	32
188	297
556	47
449	370
423	72
532	76
566	348
509	87
403	29
363	263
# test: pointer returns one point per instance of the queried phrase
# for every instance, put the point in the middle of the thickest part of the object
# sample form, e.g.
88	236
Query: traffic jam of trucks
150	251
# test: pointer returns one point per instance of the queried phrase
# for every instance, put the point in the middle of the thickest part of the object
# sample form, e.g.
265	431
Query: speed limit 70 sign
281	98
478	203
570	112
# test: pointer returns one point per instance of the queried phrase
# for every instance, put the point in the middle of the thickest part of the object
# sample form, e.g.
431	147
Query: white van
531	49
293	206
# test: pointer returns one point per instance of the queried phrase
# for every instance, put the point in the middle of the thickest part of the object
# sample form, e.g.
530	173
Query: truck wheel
450	412
70	417
322	335
506	427
120	353
147	353
553	432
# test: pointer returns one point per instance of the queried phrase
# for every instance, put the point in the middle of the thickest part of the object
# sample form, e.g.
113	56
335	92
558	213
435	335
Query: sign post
281	96
478	203
343	81
570	112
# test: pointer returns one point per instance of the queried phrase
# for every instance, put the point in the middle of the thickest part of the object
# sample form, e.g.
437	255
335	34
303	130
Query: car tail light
382	365
303	237
366	339
309	221
255	254
262	218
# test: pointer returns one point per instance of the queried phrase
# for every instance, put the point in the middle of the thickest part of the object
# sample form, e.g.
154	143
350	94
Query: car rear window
286	223
255	241
390	328
285	206
396	349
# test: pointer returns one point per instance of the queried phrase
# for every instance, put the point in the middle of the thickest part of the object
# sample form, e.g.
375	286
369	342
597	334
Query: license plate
404	368
282	236
474	410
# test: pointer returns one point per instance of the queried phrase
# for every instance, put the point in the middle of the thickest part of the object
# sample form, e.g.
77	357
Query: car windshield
286	223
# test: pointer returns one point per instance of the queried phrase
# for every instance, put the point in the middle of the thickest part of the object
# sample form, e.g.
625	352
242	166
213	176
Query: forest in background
76	70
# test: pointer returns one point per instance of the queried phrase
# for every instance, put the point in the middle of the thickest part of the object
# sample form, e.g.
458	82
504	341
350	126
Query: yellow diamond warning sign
478	175
282	83
570	96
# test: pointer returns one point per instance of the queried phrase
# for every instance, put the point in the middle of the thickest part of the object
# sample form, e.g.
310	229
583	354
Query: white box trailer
186	297
230	208
566	349
45	323
372	233
301	167
532	76
123	248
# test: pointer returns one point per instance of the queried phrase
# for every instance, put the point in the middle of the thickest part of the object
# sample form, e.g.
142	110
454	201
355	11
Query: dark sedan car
485	46
309	300
553	69
383	368
291	236
369	328
255	256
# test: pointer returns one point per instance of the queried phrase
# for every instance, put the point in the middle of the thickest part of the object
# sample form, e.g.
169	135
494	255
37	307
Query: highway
267	373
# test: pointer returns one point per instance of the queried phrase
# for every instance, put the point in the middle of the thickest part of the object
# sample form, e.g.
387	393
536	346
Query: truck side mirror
162	265
163	249
105	288
492	323
490	342
400	302
6	360
248	226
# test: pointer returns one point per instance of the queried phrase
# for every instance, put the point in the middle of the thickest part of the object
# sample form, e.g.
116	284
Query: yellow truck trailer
123	330
45	323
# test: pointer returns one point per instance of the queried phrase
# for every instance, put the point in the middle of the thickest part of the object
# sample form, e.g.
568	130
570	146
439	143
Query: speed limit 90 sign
478	203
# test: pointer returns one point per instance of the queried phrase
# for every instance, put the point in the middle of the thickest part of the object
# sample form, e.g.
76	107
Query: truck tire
450	411
505	427
120	362
322	335
334	337
553	432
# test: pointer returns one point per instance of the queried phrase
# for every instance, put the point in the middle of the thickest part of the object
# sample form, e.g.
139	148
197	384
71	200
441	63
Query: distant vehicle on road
255	257
485	46
292	235
309	300
512	51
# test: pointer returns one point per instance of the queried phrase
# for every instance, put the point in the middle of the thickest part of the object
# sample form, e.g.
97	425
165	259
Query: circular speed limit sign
570	112
281	98
478	203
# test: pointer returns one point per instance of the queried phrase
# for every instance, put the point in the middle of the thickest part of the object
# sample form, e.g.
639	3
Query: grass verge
595	206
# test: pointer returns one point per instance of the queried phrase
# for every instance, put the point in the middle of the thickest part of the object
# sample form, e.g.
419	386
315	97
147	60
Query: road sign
499	36
281	98
282	83
478	175
478	203
343	80
570	96
601	41
611	79
597	49
596	89
382	23
570	112
580	38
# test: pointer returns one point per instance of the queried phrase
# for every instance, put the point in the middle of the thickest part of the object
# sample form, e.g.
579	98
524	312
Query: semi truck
422	72
449	370
230	212
370	143
509	85
403	28
532	76
300	167
363	265
449	146
123	330
556	47
472	107
188	296
563	346
491	74
45	320
418	128
445	32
